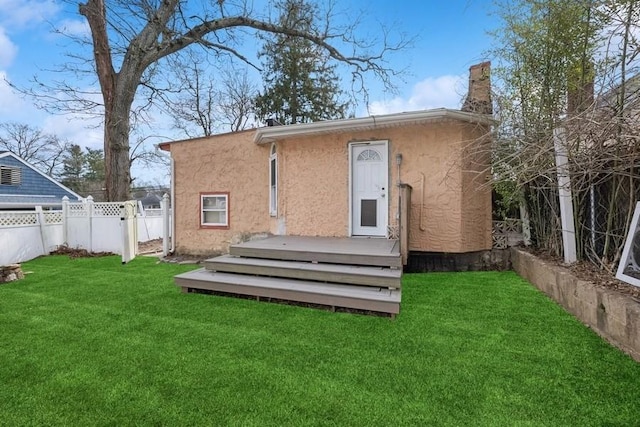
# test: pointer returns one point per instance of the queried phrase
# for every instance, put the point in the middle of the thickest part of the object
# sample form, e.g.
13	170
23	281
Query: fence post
166	226
565	197
526	224
88	205
41	222
65	221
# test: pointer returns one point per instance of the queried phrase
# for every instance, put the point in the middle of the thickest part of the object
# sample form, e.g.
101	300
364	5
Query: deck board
338	273
330	294
355	251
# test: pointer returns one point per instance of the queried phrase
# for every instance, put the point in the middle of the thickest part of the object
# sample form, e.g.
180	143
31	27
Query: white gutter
269	134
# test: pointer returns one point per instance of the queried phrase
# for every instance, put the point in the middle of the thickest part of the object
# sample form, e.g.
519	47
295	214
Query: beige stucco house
341	178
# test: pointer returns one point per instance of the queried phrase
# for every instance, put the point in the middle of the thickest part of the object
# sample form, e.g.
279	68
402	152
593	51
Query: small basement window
214	210
10	175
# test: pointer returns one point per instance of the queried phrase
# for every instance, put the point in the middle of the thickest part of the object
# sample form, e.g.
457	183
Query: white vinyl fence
150	224
27	235
95	226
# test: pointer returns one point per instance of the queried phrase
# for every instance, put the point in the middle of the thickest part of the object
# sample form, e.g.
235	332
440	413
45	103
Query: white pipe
173	206
592	197
422	226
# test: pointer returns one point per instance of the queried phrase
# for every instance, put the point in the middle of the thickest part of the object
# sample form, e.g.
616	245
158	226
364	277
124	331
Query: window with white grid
214	210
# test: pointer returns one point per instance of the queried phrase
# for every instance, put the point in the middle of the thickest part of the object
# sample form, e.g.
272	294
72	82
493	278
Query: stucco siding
430	156
451	205
231	164
476	190
313	186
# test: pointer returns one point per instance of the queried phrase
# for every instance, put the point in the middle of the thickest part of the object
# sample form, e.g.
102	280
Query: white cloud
84	131
22	13
10	102
74	27
8	50
444	91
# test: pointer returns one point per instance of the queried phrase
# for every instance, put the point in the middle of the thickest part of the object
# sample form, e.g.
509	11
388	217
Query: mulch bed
78	253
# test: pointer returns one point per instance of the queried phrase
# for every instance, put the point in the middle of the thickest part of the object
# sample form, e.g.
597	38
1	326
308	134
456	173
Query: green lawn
92	342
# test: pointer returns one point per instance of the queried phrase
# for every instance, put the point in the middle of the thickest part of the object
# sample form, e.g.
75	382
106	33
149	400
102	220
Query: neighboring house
150	201
340	178
22	186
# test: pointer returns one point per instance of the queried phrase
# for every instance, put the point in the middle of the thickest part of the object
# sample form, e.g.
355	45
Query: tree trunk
95	12
116	139
118	92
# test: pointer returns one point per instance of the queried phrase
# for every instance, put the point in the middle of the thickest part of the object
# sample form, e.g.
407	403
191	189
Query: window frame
273	181
227	210
14	174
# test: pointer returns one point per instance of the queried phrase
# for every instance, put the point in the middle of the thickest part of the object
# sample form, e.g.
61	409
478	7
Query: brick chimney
580	90
479	96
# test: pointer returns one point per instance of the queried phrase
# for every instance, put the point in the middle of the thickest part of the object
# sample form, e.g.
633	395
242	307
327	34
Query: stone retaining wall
614	316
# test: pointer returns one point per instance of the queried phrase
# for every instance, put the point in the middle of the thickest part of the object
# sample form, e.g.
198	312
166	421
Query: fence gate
129	231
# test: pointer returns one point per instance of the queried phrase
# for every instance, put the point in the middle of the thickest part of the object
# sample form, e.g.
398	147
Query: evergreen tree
94	161
73	167
84	172
300	85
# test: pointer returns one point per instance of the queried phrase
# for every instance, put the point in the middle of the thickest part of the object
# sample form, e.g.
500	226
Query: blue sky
451	36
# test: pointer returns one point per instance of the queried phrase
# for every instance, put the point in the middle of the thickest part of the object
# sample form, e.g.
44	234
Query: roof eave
267	135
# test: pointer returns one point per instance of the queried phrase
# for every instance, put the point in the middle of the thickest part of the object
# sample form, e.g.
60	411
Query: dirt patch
152	246
185	258
584	270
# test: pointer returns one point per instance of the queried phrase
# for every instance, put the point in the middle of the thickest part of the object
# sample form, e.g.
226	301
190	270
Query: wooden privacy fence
115	227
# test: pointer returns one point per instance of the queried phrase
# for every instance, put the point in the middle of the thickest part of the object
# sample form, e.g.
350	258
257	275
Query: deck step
335	273
371	252
329	294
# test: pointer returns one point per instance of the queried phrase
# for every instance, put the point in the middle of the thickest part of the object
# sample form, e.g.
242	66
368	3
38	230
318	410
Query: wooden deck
354	251
361	274
304	270
328	294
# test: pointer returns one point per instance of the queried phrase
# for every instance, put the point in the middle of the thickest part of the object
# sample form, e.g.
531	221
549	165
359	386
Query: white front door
369	189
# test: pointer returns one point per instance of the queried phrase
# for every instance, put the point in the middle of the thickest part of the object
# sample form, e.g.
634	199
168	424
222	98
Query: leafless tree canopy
131	41
572	65
42	150
211	98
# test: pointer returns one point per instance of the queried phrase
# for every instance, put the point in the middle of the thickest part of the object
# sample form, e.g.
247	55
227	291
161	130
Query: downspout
398	185
173	207
422	179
